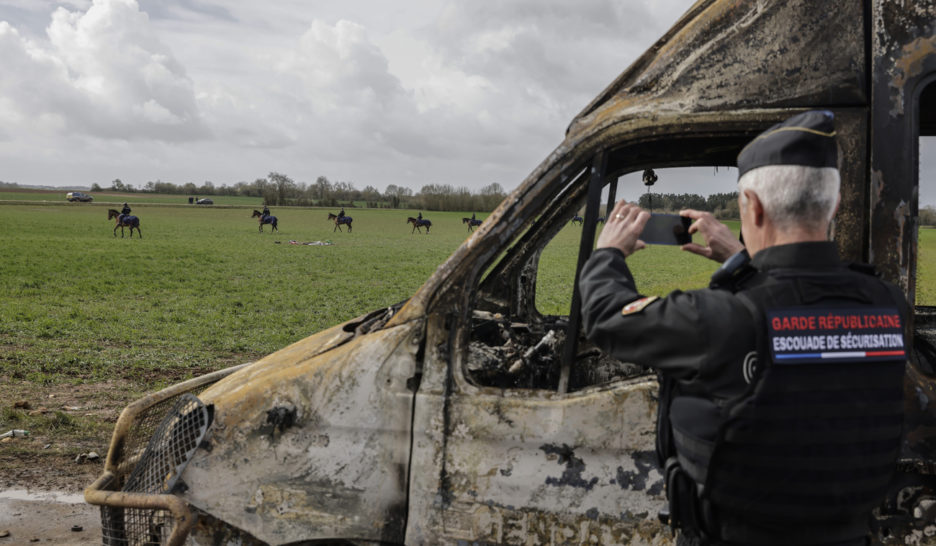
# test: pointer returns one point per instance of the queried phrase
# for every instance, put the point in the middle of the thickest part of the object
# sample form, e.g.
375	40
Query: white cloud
102	73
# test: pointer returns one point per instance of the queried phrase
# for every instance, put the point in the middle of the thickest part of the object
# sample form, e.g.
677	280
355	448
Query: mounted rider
125	211
266	211
341	213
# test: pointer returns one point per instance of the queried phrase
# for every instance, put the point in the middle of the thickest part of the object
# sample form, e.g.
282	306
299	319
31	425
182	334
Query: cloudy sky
460	92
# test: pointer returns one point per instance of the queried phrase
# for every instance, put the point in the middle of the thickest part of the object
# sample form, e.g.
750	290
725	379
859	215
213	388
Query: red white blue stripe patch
806	335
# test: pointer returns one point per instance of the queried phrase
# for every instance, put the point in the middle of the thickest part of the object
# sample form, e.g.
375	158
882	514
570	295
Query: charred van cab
467	416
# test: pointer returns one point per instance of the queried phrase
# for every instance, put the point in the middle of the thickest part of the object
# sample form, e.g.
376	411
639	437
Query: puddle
42	496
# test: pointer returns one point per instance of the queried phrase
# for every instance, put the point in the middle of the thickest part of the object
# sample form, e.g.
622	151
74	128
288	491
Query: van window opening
658	269
925	293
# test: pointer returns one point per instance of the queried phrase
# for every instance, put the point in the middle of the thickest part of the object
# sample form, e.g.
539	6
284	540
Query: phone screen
667	229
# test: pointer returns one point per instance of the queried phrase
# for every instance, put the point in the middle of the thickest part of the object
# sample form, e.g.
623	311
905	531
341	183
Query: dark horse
124	220
417	224
577	219
265	219
471	223
338	221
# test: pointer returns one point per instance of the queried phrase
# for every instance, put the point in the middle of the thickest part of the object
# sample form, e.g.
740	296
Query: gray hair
794	196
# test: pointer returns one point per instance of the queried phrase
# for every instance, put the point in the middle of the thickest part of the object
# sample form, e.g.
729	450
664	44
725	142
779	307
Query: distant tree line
722	205
278	190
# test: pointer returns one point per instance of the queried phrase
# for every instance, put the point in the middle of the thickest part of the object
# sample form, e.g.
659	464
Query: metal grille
135	526
156	470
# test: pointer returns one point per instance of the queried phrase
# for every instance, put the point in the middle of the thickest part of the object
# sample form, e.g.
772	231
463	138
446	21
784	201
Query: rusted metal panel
512	468
305	447
729	55
903	49
851	219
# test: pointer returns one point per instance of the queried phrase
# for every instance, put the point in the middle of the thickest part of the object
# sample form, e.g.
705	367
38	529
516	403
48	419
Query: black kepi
806	139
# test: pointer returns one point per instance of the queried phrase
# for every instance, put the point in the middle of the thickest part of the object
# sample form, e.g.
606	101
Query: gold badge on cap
638	305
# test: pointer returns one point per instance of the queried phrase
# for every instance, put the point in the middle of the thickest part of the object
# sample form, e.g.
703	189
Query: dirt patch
48	517
41	482
63	422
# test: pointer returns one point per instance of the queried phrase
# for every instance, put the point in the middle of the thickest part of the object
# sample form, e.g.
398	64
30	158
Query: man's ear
757	208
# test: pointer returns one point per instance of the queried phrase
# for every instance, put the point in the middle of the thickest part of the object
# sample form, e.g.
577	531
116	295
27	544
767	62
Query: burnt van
465	415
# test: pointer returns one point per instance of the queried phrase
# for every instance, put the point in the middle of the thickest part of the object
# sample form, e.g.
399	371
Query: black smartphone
667	229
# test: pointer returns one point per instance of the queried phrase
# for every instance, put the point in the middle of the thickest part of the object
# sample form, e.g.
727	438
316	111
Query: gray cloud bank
459	92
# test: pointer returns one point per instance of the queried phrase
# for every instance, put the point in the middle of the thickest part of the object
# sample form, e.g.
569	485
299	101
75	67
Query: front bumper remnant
153	441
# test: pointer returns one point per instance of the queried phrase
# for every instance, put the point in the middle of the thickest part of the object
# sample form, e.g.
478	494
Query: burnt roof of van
729	55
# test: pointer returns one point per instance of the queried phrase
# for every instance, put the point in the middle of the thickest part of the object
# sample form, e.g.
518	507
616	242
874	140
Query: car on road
465	415
204	201
73	196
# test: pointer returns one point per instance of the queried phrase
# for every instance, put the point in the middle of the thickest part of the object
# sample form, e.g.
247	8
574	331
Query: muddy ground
42	475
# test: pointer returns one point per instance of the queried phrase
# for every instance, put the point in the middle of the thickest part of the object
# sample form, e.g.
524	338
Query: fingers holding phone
720	242
623	228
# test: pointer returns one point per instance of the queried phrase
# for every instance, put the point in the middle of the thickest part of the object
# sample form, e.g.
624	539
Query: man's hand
720	242
623	228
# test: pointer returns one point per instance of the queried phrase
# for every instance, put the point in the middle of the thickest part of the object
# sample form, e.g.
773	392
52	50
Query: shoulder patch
638	305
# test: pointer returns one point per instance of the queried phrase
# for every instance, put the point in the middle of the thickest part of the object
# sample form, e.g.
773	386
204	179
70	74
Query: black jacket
702	341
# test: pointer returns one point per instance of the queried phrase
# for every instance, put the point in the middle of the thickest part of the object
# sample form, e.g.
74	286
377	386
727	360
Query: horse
601	219
419	224
340	220
578	219
471	223
124	220
265	219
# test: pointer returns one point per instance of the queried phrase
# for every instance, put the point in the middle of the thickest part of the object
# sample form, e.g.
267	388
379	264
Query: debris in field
312	243
77	528
22	404
71	408
81	458
47	446
93	456
14	432
38	411
4	533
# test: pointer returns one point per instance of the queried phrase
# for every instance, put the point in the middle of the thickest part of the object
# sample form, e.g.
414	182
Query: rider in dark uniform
341	213
125	210
266	210
781	384
419	216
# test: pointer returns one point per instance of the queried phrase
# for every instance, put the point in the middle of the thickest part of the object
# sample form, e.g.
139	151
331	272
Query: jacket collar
796	255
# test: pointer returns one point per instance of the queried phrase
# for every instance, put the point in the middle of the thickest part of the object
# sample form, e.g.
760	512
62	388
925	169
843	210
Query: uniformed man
125	210
781	384
266	211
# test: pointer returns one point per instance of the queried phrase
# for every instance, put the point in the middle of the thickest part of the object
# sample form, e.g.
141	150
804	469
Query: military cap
806	139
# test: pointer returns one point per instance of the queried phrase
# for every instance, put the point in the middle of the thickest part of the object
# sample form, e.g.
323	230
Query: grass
202	289
657	269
